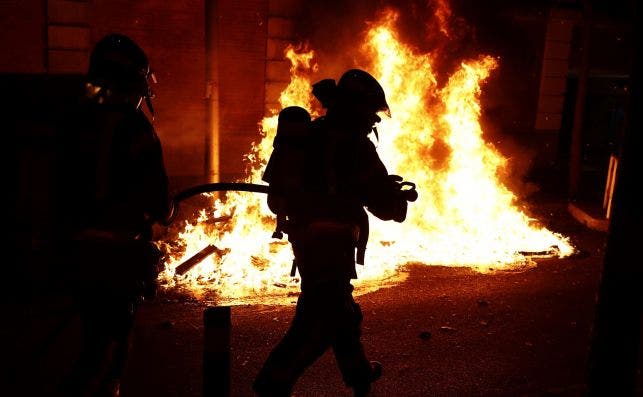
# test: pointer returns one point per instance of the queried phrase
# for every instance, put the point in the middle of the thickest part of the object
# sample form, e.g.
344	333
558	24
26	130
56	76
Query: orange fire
464	215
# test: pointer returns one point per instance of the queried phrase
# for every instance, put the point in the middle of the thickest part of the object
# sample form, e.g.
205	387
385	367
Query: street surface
442	332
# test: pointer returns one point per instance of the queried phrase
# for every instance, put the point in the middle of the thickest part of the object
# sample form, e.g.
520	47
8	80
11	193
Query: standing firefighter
322	174
116	188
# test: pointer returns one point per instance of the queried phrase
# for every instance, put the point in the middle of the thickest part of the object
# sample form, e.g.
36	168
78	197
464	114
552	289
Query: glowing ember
464	215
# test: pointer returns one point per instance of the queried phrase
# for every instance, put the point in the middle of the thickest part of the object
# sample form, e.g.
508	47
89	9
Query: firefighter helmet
118	64
359	87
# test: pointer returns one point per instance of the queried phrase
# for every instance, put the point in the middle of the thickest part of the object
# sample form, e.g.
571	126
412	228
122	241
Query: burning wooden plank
198	258
552	251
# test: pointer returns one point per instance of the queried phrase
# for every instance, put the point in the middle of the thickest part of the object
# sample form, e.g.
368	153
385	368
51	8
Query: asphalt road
442	332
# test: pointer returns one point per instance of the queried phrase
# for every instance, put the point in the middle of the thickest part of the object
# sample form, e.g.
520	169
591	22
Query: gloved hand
405	189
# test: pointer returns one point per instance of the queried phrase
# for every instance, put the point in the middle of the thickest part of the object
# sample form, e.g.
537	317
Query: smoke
335	29
452	31
520	157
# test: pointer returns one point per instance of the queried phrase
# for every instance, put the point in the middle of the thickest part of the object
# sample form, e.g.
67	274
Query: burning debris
465	216
186	266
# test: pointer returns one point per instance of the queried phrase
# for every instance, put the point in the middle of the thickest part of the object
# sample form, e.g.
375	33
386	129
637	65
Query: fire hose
209	188
200	189
405	189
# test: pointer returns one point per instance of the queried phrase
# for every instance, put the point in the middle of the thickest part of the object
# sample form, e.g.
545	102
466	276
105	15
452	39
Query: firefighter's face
356	118
365	121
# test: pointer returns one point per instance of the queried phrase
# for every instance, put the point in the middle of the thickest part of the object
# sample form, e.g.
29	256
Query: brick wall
22	36
173	35
55	37
242	52
68	36
282	20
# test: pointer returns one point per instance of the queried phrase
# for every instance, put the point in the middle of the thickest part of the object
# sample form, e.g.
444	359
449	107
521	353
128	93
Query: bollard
216	351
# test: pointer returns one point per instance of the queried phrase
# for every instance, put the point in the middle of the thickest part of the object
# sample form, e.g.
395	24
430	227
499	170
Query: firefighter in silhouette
322	175
115	189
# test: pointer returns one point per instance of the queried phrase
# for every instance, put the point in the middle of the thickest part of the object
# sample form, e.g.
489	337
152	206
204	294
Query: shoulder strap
106	138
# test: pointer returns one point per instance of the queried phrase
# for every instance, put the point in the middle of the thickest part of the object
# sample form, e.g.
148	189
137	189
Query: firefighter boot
376	373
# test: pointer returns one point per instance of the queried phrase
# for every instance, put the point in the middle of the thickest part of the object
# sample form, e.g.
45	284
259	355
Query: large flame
464	216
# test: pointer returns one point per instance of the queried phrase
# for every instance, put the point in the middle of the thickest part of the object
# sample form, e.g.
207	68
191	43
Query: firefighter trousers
326	317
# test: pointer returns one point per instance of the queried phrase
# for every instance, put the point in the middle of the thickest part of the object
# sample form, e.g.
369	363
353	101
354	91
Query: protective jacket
114	187
322	182
115	176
